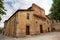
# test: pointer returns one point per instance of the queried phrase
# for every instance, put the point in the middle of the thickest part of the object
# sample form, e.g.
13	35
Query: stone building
55	25
29	21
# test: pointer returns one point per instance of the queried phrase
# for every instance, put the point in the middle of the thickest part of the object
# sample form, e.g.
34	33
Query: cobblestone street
44	36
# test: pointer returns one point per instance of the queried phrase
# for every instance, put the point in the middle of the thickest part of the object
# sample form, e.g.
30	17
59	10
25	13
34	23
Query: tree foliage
2	10
55	10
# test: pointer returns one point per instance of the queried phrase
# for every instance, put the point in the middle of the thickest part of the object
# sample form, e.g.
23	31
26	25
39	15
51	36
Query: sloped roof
29	9
18	11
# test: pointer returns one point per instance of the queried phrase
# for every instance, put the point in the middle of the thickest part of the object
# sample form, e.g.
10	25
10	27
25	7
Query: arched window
27	15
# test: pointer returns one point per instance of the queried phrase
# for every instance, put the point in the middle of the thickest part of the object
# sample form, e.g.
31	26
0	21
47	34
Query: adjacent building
55	25
31	21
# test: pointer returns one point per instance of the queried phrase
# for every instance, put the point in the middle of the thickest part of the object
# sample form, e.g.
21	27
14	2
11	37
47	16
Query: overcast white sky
12	5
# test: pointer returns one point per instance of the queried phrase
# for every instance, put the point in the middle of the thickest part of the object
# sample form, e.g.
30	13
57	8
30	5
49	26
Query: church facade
31	21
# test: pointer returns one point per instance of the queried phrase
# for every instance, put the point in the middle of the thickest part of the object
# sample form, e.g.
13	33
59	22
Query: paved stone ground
44	36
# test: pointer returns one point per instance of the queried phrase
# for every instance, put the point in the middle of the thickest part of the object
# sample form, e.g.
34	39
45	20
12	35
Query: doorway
27	30
48	29
41	29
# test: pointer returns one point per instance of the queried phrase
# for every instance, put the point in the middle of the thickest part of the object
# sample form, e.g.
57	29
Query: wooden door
27	30
48	29
41	29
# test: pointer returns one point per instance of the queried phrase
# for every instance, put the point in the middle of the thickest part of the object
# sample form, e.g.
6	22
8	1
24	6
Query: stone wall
9	27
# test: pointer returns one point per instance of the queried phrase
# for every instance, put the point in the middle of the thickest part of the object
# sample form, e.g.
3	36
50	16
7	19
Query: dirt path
44	36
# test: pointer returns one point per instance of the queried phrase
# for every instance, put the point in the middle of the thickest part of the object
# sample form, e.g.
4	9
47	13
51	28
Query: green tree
2	10
55	10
